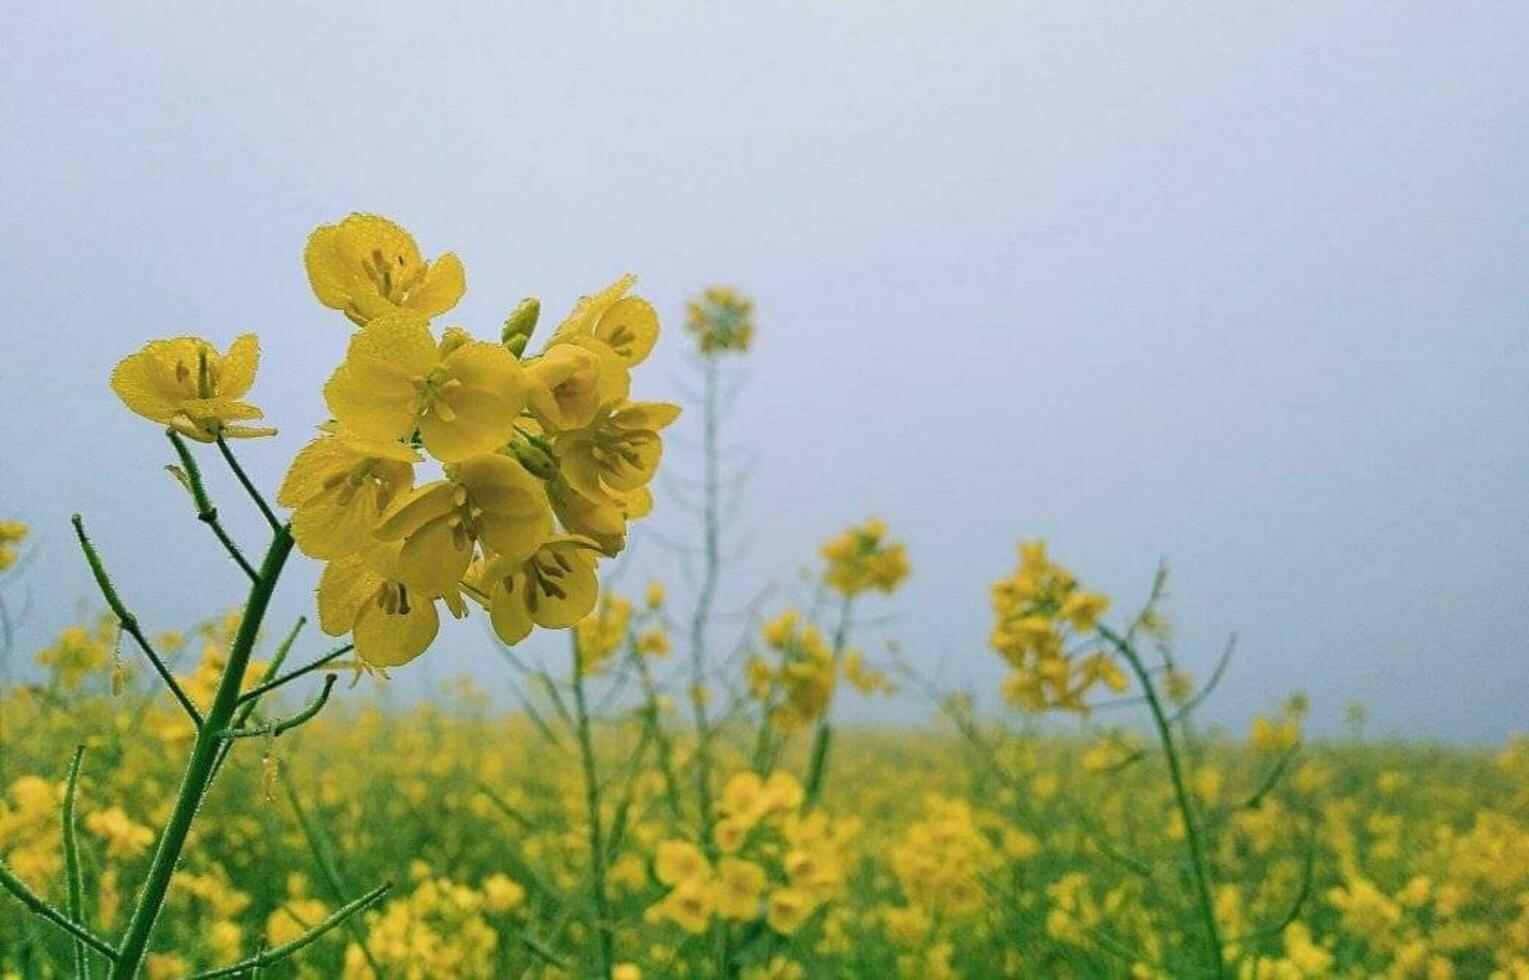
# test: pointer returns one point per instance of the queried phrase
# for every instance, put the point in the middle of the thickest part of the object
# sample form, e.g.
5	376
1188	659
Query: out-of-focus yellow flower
187	384
737	887
1038	612
600	634
626	971
861	558
677	861
502	893
75	655
461	395
722	319
788	909
654	597
366	267
653	643
11	534
124	838
1274	735
865	679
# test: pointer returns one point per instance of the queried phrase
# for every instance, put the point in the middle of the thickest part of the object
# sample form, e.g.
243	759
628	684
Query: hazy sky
1243	289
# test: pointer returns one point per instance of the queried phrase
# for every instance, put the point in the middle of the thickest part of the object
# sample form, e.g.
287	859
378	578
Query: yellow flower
489	498
721	319
367	267
788	909
124	838
555	587
737	887
339	486
567	385
687	906
625	325
462	395
602	520
294	917
653	643
11	534
617	452
655	595
626	971
861	559
390	623
502	893
186	384
600	633
677	861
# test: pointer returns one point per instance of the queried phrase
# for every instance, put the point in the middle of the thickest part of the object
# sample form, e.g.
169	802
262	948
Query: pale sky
1244	289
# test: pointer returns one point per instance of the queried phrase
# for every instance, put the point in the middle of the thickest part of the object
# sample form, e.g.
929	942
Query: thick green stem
1181	796
602	924
200	767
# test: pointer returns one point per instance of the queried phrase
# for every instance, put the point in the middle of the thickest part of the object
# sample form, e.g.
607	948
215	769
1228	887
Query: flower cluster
77	653
12	533
773	861
861	558
543	458
942	860
600	634
796	690
722	319
1038	611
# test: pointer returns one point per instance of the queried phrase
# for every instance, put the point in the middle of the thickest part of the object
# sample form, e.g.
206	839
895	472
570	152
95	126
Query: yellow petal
507	610
630	328
345	586
420	506
443	287
390	639
238	367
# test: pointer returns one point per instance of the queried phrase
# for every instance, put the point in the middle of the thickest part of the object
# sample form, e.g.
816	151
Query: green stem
205	511
72	863
1181	796
602	922
704	600
249	487
38	906
199	768
822	739
127	621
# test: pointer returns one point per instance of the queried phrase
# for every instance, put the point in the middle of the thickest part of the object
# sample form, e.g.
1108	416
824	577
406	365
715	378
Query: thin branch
258	690
1215	678
276	728
1271	779
72	863
129	622
249	488
27	897
205	511
267	957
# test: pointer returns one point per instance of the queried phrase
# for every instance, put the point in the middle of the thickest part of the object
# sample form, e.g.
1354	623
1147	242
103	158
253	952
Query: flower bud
518	328
535	457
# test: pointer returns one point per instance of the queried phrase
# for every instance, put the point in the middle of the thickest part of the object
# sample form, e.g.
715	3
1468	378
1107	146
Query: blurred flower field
675	796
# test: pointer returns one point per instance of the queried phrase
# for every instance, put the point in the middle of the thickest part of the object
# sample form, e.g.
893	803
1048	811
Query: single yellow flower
554	588
677	861
626	325
788	909
489	498
339	486
186	384
568	384
367	267
618	451
737	887
462	395
389	623
602	520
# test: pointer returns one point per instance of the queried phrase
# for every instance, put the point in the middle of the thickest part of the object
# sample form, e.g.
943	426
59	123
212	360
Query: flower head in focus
187	384
366	267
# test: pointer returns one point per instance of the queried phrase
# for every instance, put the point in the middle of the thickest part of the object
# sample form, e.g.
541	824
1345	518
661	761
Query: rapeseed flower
186	384
367	267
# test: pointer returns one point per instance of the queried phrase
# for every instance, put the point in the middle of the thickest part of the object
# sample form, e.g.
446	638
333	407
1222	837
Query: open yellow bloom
489	498
462	395
788	909
626	325
186	384
678	860
554	587
367	267
389	623
619	451
339	486
570	382
603	519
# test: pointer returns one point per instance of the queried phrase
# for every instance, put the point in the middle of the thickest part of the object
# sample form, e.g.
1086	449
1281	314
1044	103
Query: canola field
665	802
